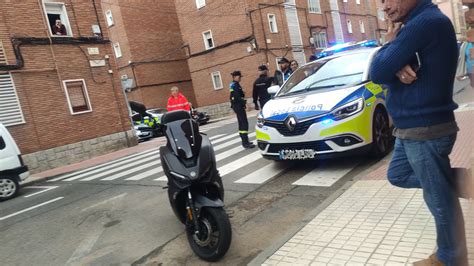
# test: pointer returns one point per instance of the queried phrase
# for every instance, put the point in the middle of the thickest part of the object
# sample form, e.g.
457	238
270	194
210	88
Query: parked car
12	168
147	123
327	108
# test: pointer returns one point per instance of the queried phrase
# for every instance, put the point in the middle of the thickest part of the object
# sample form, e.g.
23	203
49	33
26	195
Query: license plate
297	154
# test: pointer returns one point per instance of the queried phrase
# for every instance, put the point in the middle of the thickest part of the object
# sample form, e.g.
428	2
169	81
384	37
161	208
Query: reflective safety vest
178	103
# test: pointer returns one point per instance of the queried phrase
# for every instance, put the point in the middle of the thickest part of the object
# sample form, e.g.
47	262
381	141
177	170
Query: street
118	212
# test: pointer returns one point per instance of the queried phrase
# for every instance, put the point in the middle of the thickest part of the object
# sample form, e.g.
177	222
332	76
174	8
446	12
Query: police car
327	107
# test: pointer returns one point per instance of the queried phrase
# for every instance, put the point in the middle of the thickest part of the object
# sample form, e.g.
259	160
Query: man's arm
255	93
395	55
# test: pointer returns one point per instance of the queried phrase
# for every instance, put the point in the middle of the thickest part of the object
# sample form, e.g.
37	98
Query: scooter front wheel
214	237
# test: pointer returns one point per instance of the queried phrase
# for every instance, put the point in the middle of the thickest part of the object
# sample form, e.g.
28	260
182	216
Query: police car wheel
9	187
381	136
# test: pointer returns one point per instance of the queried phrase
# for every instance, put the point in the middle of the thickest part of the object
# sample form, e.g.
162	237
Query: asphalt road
119	212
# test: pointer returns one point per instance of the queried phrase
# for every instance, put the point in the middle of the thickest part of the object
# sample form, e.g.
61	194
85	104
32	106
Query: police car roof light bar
346	47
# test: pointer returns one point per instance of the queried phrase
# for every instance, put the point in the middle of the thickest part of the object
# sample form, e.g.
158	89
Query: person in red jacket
177	101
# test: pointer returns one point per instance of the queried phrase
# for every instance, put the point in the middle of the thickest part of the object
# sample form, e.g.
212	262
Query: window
381	14
200	3
3	55
382	37
272	22
77	97
358	2
320	40
58	20
117	50
362	26
349	26
109	18
208	41
314	6
217	80
10	109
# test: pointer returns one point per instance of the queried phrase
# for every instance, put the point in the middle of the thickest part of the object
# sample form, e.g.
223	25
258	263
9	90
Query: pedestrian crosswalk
232	160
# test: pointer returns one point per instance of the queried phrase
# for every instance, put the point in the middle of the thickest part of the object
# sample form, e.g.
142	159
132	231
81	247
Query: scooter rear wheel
215	236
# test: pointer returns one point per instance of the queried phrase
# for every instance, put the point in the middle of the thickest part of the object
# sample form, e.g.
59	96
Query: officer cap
283	60
236	73
262	67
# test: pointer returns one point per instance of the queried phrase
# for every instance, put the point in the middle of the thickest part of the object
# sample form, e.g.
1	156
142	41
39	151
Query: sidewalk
375	223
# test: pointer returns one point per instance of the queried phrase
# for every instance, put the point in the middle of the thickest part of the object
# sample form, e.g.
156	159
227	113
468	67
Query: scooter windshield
186	138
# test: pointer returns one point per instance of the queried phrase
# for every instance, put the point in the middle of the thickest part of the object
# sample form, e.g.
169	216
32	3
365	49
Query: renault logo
290	123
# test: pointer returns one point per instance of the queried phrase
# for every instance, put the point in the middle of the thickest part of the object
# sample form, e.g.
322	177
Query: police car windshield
337	72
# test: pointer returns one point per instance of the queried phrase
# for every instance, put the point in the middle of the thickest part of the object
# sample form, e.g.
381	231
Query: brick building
223	36
150	53
59	95
455	11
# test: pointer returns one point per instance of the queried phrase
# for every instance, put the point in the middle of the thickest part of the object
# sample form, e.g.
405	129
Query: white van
12	168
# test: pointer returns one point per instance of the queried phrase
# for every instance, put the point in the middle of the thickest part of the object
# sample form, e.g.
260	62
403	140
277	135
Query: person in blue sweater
420	101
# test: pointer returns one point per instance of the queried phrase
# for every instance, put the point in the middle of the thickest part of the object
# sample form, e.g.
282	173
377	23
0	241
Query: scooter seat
175	116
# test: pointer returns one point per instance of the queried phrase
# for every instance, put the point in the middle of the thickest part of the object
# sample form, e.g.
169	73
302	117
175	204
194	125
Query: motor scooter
195	189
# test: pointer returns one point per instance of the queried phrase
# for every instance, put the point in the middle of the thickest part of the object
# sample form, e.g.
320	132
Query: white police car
327	107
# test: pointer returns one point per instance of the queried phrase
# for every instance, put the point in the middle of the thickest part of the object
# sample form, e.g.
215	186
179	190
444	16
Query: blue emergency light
346	47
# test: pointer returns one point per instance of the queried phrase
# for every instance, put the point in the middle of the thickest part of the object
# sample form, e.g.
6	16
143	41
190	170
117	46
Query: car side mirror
273	90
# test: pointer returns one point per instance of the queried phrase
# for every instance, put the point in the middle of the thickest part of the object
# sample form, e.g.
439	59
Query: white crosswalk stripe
112	169
113	163
146	166
234	165
216	137
219	157
326	175
231	142
264	174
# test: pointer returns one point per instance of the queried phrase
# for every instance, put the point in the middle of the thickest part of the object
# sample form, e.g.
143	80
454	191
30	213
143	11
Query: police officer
284	73
260	87
238	104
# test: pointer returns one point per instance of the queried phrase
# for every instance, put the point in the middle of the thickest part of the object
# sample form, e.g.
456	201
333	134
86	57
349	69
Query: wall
39	83
153	53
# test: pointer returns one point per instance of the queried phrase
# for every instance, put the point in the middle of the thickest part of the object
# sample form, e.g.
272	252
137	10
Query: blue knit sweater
429	100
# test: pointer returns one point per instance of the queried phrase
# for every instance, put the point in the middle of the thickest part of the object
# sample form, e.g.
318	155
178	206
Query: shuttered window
10	109
3	56
77	96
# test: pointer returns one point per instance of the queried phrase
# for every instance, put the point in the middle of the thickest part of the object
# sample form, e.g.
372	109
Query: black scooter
195	187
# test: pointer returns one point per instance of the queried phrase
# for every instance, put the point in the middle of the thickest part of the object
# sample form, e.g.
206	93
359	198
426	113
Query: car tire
382	140
9	187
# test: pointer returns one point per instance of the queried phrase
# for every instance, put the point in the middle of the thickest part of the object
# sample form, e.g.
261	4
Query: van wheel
9	187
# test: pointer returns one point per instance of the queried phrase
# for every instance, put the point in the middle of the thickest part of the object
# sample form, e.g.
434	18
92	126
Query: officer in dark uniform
238	104
260	87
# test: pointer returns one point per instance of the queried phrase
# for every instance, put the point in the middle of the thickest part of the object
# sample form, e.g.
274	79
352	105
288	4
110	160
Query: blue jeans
426	165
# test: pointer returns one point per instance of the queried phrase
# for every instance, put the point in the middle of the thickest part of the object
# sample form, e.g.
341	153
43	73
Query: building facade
455	11
150	53
223	36
59	94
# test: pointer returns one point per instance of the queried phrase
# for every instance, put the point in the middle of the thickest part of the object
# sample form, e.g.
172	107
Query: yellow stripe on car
360	125
262	136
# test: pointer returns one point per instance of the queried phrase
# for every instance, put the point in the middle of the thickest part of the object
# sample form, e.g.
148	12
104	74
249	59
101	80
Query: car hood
310	104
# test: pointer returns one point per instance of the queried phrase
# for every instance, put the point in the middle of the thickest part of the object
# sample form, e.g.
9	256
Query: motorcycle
200	117
195	189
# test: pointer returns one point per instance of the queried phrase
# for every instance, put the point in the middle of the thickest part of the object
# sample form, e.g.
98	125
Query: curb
265	254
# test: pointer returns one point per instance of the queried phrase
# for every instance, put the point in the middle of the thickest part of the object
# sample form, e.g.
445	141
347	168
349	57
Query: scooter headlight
347	110
260	120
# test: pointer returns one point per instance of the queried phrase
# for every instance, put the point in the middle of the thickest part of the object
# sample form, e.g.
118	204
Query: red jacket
178	103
